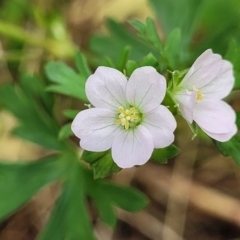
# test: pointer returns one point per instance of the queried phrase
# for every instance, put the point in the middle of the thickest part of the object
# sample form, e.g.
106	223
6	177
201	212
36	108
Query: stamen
128	117
200	95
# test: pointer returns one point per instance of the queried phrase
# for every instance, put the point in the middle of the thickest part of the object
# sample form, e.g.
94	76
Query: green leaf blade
67	81
82	66
19	182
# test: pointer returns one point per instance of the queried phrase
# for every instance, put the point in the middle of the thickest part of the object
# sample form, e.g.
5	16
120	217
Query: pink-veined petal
222	84
161	124
206	67
186	100
214	116
96	128
132	147
224	137
146	89
106	88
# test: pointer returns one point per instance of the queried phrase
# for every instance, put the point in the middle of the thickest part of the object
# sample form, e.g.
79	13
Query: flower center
200	95
128	117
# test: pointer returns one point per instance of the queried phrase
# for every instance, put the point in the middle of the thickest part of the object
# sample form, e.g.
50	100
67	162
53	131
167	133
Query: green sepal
91	157
148	60
101	163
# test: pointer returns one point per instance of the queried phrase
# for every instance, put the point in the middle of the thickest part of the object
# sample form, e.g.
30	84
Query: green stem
176	105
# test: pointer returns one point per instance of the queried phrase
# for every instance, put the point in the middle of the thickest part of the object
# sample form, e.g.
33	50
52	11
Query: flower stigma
128	117
199	96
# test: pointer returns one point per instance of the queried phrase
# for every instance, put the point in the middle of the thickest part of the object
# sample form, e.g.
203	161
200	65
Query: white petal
106	88
96	127
206	67
222	84
161	124
132	147
214	116
224	137
186	101
146	88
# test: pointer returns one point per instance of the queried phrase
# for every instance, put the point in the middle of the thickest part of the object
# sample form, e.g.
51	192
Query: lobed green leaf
19	182
66	80
33	107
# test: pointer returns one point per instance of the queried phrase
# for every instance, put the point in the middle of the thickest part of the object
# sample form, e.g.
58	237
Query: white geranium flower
200	92
127	116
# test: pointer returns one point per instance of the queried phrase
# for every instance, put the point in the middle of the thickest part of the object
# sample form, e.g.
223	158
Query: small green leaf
65	131
123	58
130	67
108	62
82	65
172	48
148	60
66	81
230	148
70	113
148	32
153	34
119	37
161	155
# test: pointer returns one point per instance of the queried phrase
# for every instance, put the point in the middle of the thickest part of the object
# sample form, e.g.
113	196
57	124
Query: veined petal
224	137
146	89
186	100
222	84
106	88
96	127
161	124
214	116
206	67
133	147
